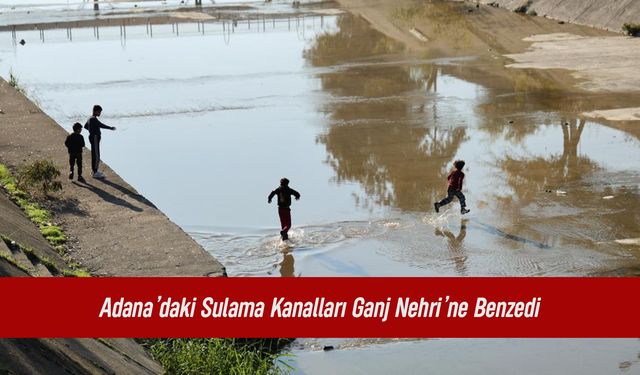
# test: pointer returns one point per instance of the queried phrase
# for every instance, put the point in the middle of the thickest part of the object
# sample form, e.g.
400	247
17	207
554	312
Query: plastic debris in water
392	225
608	197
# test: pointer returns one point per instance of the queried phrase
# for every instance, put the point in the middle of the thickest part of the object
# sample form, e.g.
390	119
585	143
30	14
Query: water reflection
381	131
370	133
287	264
386	125
394	128
456	246
530	175
170	25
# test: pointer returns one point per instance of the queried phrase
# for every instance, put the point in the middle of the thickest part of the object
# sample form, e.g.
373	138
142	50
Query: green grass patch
42	218
13	262
76	273
31	255
53	234
632	29
34	212
5	175
214	356
41	175
13	81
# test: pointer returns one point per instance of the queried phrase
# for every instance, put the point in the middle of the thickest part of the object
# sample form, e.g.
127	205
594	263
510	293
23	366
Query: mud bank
603	14
113	230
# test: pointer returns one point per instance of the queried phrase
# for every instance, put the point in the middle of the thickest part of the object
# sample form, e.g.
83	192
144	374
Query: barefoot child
284	193
455	188
75	144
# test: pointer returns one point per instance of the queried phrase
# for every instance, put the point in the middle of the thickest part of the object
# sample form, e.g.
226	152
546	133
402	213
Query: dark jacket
455	179
93	125
284	194
74	143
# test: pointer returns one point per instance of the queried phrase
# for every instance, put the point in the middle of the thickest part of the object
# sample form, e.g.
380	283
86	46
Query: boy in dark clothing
455	188
284	193
94	125
75	144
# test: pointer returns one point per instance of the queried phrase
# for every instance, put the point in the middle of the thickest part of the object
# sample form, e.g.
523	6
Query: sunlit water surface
367	134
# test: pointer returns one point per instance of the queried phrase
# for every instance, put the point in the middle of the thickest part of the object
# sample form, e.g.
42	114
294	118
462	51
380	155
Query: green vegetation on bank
35	213
13	81
41	174
215	356
632	29
38	215
77	272
13	262
31	254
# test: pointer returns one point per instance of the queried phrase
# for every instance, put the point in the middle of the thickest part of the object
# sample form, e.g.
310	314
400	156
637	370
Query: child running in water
455	188
284	193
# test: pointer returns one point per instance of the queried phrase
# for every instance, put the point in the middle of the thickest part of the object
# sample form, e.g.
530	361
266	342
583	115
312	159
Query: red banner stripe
550	307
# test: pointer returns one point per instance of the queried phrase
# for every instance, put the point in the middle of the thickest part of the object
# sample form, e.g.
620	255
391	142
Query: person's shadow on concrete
130	193
67	205
108	197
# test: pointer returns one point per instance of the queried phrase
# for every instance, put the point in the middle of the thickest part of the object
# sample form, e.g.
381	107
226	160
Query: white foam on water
260	252
439	219
392	225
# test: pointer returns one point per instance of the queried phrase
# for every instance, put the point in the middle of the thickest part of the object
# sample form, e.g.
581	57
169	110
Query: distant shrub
41	174
632	29
13	81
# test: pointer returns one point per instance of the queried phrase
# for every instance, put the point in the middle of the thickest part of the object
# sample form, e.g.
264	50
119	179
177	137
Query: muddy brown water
367	133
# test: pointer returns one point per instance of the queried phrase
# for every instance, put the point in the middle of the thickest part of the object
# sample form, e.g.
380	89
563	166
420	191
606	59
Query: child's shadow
108	197
67	205
131	194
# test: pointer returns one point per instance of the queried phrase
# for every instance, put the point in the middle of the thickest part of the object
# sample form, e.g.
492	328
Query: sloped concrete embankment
55	356
604	14
114	231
